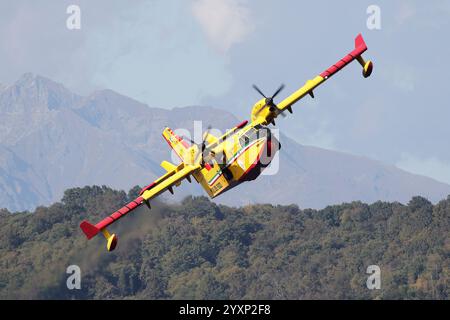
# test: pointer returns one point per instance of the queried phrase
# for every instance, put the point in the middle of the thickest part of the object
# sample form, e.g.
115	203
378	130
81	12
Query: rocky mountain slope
52	139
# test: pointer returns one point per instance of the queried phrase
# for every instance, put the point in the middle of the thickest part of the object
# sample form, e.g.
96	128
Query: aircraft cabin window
253	134
244	140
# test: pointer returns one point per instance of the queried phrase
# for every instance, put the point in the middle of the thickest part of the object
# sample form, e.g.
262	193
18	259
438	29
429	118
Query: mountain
52	139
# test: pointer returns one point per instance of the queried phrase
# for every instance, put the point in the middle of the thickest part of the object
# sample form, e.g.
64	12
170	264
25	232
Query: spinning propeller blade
202	145
269	101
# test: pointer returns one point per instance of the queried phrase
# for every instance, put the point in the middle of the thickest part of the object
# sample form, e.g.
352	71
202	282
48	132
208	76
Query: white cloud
225	22
431	167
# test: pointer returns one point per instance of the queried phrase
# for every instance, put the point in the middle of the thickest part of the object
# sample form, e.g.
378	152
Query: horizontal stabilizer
168	166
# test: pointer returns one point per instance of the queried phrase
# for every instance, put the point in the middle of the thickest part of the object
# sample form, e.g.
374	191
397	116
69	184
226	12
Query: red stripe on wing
360	47
151	185
119	213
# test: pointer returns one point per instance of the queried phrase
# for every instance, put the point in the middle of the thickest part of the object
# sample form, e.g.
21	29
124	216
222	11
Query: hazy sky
209	52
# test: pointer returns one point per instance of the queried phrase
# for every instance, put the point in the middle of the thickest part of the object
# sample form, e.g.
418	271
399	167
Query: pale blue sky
209	52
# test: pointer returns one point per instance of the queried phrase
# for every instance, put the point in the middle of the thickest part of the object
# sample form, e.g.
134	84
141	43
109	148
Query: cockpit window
244	140
253	134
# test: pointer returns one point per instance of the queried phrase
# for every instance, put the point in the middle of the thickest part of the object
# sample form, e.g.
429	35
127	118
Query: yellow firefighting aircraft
221	163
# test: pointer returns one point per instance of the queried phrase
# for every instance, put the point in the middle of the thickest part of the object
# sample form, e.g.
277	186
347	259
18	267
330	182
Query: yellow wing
265	114
174	176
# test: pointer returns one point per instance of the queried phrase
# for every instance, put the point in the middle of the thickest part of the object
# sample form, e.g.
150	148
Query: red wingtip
89	230
359	42
151	185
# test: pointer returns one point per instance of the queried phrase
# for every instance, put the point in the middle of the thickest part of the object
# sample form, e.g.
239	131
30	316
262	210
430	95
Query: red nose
269	148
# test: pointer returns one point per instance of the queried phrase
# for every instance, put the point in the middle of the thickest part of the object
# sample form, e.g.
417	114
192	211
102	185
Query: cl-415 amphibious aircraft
221	163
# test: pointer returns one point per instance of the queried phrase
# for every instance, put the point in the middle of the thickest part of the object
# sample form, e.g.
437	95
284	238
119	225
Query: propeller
201	146
269	100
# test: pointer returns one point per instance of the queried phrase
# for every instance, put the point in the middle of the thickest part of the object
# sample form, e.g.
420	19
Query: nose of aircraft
273	146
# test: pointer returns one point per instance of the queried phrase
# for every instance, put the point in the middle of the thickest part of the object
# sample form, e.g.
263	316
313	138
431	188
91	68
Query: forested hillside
200	250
